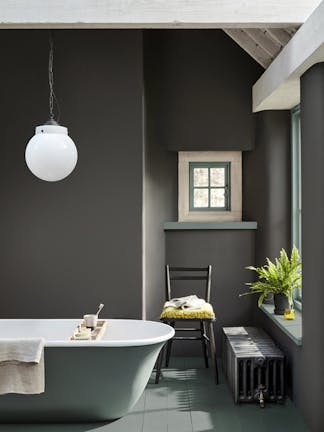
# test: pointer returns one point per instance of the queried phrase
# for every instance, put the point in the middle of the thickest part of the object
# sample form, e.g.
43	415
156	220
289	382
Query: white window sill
292	328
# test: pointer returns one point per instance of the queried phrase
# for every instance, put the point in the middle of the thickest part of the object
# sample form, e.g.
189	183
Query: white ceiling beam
153	13
279	86
242	38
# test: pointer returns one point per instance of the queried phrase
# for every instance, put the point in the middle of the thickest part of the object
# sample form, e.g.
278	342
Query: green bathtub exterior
85	384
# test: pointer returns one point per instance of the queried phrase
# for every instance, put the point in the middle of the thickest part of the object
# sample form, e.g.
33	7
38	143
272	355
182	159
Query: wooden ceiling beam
280	35
291	31
264	41
242	38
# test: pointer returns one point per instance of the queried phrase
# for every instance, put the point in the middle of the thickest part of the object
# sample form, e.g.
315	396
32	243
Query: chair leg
213	349
204	342
169	346
159	366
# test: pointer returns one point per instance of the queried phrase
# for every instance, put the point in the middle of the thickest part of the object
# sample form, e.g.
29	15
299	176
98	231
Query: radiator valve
261	396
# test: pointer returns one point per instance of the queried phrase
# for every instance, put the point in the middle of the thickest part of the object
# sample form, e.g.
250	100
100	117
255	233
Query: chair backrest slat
188	278
205	276
188	269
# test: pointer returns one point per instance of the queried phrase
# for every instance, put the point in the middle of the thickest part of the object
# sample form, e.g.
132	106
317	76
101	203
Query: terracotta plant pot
281	303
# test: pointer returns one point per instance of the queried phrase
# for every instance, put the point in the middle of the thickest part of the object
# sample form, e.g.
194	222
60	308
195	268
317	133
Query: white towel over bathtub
22	366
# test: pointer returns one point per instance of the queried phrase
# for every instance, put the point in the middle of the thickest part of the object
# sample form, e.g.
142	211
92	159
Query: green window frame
209	186
296	175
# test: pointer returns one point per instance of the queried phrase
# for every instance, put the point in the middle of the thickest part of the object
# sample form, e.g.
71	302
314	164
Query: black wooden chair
205	329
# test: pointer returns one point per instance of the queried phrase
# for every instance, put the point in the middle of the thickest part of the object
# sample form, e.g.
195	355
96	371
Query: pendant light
51	155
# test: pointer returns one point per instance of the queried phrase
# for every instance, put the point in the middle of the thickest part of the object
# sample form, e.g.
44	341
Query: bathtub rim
169	333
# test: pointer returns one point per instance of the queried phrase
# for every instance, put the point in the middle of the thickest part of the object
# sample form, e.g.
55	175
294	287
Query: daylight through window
209	186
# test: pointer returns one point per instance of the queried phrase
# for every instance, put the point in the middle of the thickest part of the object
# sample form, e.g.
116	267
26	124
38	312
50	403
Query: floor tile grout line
188	396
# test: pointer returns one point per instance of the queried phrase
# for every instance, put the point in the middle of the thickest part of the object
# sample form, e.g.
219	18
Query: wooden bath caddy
96	333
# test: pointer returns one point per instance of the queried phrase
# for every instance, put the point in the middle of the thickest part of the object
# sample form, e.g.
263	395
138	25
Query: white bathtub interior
56	332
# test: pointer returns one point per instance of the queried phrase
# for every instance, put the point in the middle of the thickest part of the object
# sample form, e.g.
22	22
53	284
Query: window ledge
210	225
292	328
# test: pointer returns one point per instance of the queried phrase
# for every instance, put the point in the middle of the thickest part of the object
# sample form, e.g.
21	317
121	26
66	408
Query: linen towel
205	312
191	302
22	366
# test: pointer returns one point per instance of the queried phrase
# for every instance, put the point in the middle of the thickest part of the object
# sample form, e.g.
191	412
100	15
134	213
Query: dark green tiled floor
187	400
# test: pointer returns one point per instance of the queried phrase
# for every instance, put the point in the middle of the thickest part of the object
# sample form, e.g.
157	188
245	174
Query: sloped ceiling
263	44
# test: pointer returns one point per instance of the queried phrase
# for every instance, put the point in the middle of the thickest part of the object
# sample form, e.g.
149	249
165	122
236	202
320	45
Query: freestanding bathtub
85	380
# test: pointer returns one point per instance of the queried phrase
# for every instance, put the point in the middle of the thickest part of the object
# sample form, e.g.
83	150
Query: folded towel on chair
22	366
191	302
204	312
190	307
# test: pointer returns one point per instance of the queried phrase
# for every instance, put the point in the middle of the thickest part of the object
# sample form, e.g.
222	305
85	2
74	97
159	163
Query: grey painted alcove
191	105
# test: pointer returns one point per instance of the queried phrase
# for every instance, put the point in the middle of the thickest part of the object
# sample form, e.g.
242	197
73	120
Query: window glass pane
209	188
217	197
200	197
217	176
296	191
200	176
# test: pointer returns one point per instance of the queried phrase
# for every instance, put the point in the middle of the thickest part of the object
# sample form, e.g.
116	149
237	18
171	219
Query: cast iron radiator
253	364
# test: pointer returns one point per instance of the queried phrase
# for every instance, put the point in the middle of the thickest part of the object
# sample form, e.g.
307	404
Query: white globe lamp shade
50	154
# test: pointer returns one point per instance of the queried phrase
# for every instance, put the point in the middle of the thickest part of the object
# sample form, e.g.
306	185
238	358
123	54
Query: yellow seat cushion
206	311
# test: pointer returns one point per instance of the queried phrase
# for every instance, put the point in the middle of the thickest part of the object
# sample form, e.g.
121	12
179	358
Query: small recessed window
209	186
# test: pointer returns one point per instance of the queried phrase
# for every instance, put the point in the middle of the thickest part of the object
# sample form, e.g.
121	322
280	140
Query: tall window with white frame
296	212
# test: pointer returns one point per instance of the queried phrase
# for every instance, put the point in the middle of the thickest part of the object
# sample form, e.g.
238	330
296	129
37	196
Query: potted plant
279	278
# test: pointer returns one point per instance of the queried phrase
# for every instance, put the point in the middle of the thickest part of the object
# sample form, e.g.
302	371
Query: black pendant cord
52	97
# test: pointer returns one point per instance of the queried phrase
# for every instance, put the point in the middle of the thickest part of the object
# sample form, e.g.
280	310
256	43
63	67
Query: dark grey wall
67	246
266	183
312	138
160	185
204	90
